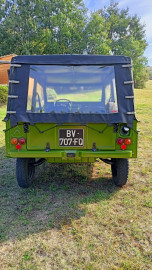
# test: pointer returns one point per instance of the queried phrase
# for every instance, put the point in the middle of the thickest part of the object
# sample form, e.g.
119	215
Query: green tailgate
99	134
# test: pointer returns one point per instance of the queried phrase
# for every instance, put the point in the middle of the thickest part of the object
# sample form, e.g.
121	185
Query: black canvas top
71	59
19	80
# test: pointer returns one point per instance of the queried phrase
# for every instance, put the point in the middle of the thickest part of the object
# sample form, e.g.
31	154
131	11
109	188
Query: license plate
71	137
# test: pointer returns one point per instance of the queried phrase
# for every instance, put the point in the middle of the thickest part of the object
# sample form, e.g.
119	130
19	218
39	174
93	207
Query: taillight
18	142
14	141
123	146
127	141
120	141
123	142
22	141
18	146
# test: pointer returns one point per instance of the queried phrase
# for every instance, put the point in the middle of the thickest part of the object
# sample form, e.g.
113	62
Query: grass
73	217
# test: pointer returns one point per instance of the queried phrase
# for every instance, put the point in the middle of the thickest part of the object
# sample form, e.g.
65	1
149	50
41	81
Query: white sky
143	9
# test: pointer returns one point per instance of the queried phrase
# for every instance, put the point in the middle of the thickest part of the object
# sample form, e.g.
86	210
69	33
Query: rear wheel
25	171
120	171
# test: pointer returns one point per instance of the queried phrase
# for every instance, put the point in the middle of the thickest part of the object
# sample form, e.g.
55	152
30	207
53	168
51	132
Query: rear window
72	89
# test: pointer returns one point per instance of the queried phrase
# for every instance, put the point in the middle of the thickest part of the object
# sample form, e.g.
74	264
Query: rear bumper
75	155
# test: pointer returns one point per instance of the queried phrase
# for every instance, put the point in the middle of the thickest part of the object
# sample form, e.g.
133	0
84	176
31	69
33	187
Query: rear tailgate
68	136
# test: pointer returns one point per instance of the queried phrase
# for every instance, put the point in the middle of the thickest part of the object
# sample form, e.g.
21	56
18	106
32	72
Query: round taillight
123	146
127	141
120	141
22	141
14	141
18	146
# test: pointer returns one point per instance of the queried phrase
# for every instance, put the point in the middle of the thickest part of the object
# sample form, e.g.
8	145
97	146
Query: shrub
3	94
150	75
141	77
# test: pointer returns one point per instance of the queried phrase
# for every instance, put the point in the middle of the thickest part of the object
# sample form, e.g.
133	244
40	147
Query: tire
24	171
120	171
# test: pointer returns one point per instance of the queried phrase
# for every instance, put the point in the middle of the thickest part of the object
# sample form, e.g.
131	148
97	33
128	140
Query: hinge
115	128
94	149
47	147
26	128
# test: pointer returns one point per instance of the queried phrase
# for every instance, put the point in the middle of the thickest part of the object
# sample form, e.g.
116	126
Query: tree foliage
42	27
125	36
65	27
96	36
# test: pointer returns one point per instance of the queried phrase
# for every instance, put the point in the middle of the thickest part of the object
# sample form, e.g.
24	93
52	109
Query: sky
143	9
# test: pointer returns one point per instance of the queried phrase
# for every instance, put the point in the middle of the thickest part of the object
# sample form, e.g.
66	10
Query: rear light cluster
123	142
18	142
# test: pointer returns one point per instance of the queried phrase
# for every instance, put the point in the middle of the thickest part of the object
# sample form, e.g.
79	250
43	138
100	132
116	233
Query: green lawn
73	217
80	96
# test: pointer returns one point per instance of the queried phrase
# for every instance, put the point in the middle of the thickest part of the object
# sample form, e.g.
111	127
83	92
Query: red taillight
123	146
120	141
22	141
14	141
18	146
127	141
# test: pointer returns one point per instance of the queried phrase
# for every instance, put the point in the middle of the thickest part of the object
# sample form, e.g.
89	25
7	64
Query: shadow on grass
59	194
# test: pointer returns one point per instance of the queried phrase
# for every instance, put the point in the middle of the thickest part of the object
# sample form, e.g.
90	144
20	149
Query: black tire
120	171
25	171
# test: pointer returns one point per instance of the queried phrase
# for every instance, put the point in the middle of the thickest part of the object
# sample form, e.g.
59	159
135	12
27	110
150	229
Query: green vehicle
71	109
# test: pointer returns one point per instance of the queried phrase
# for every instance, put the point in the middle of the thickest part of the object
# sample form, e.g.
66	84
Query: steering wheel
63	99
65	105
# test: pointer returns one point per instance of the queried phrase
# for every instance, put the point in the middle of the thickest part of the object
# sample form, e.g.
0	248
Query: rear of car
70	109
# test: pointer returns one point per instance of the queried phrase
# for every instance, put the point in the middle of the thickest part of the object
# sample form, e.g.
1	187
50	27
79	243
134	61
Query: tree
41	26
149	69
96	36
126	35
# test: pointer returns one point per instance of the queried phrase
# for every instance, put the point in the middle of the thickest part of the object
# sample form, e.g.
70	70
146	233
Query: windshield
72	89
